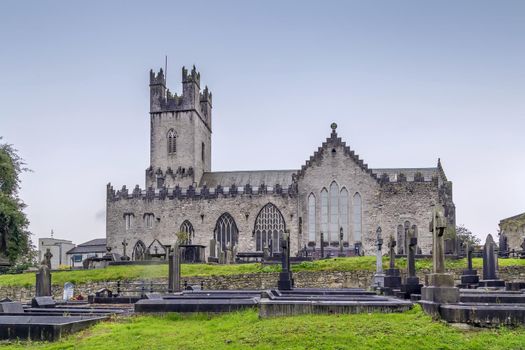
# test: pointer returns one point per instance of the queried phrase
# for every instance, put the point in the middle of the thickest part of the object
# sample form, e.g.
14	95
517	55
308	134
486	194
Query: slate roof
241	178
94	246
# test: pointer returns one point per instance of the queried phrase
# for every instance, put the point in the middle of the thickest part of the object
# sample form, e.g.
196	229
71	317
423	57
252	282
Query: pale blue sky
406	81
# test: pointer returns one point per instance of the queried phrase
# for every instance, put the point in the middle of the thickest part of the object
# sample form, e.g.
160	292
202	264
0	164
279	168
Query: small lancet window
172	141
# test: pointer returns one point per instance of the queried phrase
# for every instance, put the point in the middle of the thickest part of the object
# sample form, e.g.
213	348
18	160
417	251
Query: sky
407	82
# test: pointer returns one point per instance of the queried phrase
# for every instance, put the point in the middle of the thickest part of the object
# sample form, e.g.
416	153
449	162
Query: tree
15	239
464	236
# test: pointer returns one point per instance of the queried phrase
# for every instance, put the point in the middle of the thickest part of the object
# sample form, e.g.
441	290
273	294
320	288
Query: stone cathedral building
333	192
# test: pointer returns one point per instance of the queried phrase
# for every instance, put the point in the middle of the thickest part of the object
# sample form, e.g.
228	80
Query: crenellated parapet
192	98
197	193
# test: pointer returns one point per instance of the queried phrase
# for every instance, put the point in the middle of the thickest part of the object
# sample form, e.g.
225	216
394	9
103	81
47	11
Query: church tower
180	138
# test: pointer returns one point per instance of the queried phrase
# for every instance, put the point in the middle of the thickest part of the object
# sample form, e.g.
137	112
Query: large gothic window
311	217
324	213
334	212
343	213
269	224
139	251
172	141
187	227
226	231
357	216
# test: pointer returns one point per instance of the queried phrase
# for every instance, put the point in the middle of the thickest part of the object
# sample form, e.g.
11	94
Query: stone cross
270	246
174	270
469	256
392	253
437	227
47	258
489	260
124	245
412	244
285	256
379	255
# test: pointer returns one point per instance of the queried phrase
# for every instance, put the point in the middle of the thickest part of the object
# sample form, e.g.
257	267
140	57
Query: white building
93	248
57	247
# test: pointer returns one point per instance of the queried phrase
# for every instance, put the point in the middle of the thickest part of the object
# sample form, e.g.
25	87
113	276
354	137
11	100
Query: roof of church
241	178
519	216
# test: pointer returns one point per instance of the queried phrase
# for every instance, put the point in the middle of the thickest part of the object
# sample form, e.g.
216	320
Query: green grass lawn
146	272
244	330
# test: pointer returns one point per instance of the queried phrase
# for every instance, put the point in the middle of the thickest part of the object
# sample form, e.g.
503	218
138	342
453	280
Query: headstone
341	253
441	288
285	277
174	270
379	277
43	276
43	302
322	245
124	257
266	253
522	253
234	254
11	307
469	276
213	249
153	296
411	285
392	280
69	289
503	246
490	261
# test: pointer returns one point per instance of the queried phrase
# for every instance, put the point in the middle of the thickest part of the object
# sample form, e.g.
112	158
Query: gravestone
341	252
124	257
213	257
322	245
441	288
11	307
392	278
43	302
285	277
522	253
503	246
411	285
69	289
266	254
490	261
174	270
469	276
379	276
43	276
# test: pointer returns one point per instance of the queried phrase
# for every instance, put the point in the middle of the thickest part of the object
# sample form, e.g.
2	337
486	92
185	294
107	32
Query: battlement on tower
191	99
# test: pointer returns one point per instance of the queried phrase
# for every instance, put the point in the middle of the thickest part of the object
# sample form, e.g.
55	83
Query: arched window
139	251
172	141
343	213
357	215
311	217
226	231
202	151
187	227
324	213
334	213
269	224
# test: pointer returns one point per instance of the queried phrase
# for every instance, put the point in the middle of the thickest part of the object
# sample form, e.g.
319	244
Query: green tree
15	239
464	235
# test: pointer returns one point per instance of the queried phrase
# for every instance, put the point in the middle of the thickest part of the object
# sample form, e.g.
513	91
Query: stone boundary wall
303	279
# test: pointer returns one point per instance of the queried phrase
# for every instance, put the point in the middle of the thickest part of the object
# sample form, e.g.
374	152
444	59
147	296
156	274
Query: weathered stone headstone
411	285
322	245
441	288
469	276
285	277
392	278
174	270
379	276
69	291
213	249
43	276
124	257
341	253
490	261
266	253
503	246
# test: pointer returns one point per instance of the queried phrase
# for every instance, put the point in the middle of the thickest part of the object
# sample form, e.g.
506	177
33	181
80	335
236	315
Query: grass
146	272
244	330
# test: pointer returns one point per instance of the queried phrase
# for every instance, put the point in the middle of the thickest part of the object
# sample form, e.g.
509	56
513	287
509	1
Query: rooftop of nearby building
97	245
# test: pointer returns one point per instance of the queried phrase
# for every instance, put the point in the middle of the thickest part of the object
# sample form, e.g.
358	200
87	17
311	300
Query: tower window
202	151
148	220
128	219
172	141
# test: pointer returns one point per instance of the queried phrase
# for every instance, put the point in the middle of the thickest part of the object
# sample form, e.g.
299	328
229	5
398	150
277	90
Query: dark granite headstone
392	279
285	277
490	277
174	270
11	307
43	302
411	285
469	276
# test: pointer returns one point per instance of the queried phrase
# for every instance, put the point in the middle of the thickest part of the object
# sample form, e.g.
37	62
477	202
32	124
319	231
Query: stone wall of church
202	213
408	201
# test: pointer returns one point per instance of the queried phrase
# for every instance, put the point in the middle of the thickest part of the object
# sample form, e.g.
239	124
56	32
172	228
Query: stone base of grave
469	279
392	281
213	259
440	295
378	281
411	286
285	281
492	283
515	285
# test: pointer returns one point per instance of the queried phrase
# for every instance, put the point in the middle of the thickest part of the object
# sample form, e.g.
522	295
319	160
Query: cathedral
334	199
